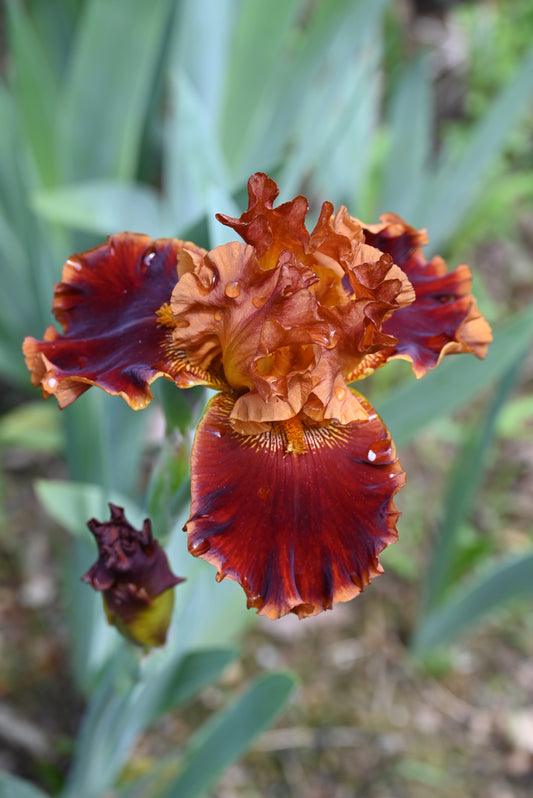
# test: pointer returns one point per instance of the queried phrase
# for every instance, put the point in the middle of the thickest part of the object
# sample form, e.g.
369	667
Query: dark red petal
444	317
297	515
107	304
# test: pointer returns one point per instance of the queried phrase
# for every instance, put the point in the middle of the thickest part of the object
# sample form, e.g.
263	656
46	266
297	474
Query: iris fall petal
113	337
298	515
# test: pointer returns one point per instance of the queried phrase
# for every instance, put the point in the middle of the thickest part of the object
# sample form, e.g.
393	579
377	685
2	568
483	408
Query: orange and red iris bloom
293	473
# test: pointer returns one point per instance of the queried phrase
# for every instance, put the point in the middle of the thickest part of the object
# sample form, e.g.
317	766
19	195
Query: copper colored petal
269	229
107	303
299	514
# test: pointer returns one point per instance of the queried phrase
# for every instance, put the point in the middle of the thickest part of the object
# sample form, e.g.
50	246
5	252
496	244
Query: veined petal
298	514
444	317
113	336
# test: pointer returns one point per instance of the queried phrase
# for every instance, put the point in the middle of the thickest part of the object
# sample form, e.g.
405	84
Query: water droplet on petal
232	289
148	258
199	547
218	315
259	301
340	392
333	339
380	452
263	492
52	382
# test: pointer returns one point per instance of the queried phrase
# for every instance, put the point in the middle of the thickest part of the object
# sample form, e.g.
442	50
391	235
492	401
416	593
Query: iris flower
293	473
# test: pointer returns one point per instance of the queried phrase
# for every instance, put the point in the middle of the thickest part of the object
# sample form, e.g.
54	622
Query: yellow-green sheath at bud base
134	577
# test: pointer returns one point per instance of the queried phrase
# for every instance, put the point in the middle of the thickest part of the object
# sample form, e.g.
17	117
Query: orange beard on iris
293	474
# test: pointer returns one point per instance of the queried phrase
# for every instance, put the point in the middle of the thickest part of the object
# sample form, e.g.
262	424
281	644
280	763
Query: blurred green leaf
458	179
33	426
455	382
227	735
72	504
195	671
266	28
105	440
509	580
169	487
13	787
193	163
516	419
346	94
106	207
131	695
411	134
35	90
115	55
464	481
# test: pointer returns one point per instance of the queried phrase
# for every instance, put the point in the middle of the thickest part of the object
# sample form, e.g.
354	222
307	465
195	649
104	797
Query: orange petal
111	304
298	514
270	230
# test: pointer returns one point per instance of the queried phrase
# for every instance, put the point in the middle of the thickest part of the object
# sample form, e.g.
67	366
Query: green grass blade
107	92
454	382
226	736
509	580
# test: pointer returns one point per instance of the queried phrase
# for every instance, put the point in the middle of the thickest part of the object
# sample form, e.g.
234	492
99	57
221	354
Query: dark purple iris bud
134	577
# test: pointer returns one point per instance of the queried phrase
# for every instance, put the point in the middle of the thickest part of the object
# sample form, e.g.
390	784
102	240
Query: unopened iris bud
134	577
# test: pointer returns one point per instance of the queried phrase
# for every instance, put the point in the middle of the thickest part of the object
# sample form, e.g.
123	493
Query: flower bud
135	579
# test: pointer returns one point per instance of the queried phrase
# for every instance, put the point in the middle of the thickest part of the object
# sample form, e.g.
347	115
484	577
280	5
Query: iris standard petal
297	515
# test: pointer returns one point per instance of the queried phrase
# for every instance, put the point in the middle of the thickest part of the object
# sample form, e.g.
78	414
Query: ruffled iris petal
444	317
108	303
297	515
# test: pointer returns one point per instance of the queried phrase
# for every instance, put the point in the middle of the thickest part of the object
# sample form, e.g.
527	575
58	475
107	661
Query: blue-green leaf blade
454	382
108	86
227	735
459	179
13	787
511	579
106	207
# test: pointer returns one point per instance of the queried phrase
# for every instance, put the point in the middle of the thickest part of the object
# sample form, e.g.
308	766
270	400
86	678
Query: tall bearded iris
293	473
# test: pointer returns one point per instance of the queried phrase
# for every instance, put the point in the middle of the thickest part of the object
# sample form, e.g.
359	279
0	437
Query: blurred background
150	117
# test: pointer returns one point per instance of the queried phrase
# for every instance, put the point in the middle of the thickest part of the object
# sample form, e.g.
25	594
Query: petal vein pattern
299	529
107	303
